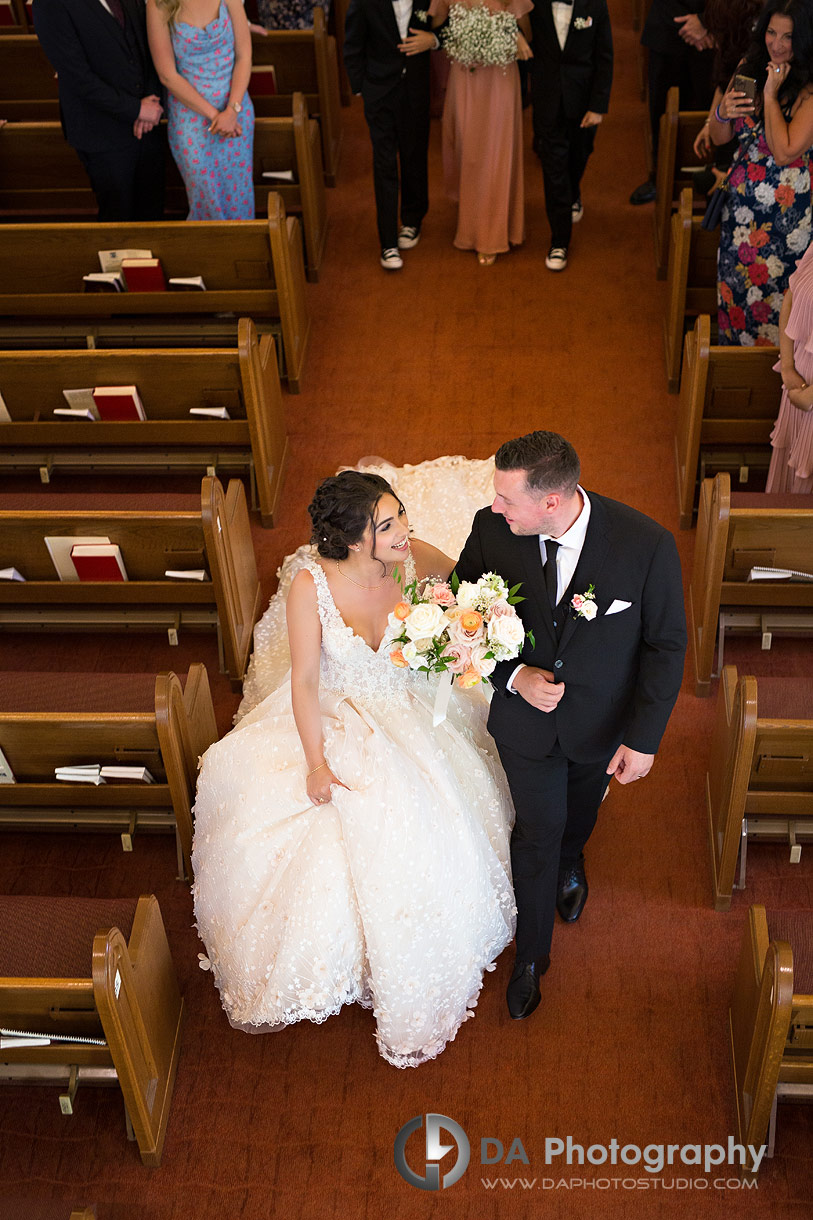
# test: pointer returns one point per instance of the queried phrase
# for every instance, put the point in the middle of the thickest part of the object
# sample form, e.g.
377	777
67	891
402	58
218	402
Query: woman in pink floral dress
792	438
202	54
766	222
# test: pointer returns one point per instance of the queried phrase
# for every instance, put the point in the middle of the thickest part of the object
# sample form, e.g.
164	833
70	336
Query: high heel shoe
486	260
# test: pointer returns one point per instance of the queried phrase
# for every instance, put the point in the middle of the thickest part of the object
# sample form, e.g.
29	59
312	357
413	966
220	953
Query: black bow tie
569	3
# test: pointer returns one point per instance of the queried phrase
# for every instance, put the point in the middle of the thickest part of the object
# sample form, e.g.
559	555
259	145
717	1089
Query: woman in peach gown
482	142
791	469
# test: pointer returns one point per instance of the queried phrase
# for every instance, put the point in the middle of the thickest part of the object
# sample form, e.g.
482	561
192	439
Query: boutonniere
584	604
420	14
582	23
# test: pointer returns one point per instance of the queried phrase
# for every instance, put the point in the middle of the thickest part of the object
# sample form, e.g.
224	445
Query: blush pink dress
791	467
482	146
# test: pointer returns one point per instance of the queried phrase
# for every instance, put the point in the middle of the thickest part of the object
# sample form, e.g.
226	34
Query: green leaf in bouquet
454	582
529	635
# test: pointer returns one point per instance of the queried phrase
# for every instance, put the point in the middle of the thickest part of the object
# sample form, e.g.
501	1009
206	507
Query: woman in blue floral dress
766	221
202	54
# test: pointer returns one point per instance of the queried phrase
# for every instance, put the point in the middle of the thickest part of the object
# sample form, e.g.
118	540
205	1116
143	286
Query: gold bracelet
315	769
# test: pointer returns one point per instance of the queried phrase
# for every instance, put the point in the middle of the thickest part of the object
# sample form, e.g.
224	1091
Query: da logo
435	1151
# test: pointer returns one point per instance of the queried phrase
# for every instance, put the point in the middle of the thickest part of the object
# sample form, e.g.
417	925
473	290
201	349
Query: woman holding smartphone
766	221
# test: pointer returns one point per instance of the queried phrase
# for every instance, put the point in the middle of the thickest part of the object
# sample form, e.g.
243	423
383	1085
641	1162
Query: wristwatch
236	107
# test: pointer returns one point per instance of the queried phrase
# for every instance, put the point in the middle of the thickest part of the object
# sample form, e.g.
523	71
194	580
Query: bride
345	850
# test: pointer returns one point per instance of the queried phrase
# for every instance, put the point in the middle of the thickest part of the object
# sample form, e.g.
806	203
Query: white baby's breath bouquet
479	38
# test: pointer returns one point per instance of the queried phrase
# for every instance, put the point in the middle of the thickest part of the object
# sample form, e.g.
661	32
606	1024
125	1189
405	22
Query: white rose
467	595
412	656
507	631
427	619
589	610
484	665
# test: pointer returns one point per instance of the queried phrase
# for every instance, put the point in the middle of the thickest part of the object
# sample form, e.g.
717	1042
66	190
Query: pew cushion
24	691
796	927
785	699
53	937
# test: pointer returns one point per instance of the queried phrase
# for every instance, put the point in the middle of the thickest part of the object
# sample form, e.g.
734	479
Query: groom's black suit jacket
622	671
580	74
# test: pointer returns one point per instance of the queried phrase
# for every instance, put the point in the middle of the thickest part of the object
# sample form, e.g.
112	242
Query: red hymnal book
118	402
7	14
100	562
263	81
143	274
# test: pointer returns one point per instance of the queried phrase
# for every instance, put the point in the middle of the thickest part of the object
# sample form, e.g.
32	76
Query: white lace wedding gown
397	895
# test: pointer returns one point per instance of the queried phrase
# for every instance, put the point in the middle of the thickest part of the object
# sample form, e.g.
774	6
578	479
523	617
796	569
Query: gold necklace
358	582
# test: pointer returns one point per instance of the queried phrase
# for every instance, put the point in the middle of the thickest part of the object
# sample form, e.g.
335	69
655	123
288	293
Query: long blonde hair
170	9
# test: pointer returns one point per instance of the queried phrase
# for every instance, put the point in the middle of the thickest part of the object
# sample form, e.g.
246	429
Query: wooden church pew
170	381
759	782
99	970
729	400
215	535
153	722
28	89
691	281
678	131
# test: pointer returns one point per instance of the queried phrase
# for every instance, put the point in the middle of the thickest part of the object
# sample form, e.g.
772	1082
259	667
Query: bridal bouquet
459	628
478	38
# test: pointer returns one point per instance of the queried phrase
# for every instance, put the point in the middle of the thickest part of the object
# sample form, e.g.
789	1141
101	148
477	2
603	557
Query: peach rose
468	679
397	657
458	657
402	610
471	621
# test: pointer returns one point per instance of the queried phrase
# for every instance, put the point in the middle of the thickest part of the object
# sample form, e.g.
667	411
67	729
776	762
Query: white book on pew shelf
14	1043
65	776
117	403
6	773
187	283
75	413
186	574
80	400
104	281
71	1039
5	418
79	768
123	773
279	175
11	574
778	574
100	562
210	412
111	260
59	548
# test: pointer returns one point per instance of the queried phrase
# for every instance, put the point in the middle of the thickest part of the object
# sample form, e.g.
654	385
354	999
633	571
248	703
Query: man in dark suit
680	54
385	53
571	77
590	698
109	100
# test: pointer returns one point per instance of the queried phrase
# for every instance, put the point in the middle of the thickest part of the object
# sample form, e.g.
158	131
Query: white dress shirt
562	14
567	557
403	13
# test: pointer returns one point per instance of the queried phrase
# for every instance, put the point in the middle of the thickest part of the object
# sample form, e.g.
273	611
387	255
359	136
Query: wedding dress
397	895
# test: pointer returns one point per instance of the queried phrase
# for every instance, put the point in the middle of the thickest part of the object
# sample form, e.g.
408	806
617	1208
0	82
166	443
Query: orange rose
471	621
402	610
399	659
468	679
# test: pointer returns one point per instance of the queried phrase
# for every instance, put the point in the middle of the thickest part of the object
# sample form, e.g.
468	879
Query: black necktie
117	10
551	575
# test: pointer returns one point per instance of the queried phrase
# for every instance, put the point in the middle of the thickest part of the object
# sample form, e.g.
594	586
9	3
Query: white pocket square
618	606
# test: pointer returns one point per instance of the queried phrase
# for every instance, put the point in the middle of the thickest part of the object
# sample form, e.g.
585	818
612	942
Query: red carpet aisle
630	1042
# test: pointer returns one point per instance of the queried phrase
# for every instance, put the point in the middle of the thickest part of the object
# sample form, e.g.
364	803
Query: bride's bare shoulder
429	561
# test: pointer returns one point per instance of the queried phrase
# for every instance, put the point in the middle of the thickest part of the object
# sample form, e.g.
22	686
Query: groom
591	698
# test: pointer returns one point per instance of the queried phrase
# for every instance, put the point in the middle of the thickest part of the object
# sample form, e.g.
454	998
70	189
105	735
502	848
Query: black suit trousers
399	130
690	70
128	181
564	149
556	803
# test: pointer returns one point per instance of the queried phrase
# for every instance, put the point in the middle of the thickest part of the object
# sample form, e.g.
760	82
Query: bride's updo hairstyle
342	508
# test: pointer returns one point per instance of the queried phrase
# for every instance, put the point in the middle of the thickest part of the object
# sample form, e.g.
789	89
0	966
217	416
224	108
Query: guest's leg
381	121
539	793
664	72
150	175
112	175
586	786
413	145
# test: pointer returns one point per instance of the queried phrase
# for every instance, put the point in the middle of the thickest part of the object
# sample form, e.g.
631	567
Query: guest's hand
537	687
523	50
319	786
774	76
591	119
226	124
151	110
140	128
702	145
257	29
691	29
802	398
417	41
627	765
792	380
734	105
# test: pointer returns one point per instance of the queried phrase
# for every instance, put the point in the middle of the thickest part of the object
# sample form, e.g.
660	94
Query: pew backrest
691	281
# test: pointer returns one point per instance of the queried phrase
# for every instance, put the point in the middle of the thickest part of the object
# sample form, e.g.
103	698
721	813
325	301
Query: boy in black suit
109	100
571	77
385	45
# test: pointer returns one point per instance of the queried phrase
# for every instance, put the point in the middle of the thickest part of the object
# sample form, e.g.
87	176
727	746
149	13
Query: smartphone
746	85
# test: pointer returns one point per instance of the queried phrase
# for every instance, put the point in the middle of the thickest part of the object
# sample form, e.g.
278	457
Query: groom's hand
627	765
538	688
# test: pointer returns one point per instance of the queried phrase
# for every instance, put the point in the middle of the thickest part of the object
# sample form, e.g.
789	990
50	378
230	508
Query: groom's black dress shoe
523	990
571	894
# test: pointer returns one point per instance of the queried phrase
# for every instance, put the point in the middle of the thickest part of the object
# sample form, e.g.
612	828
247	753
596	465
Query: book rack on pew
252	268
167	740
216	535
171	382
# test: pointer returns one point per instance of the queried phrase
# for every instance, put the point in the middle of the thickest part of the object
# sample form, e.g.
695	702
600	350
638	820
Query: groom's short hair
549	461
